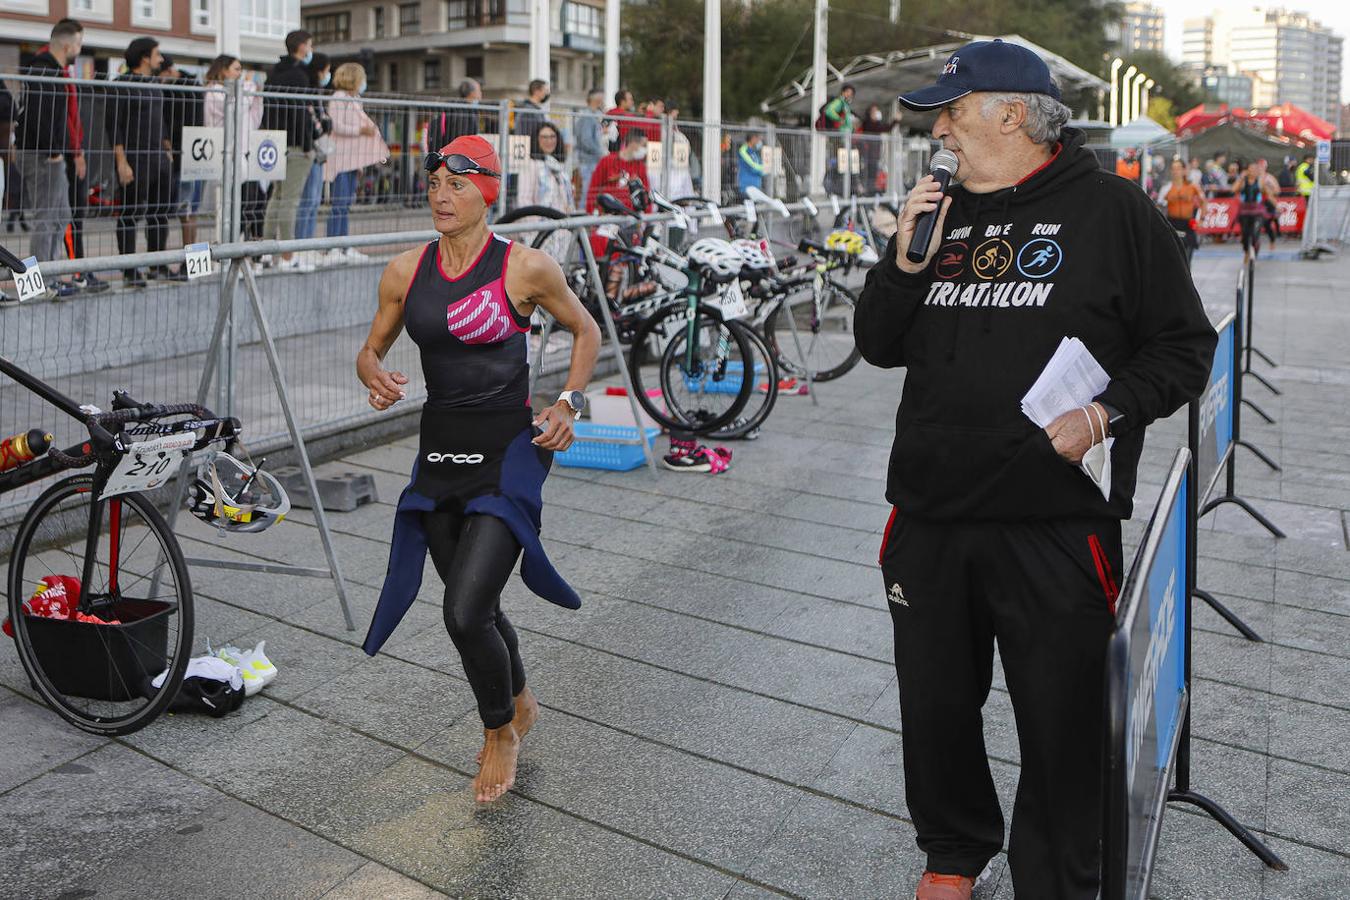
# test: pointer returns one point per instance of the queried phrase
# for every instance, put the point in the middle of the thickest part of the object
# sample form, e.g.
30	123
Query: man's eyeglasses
456	164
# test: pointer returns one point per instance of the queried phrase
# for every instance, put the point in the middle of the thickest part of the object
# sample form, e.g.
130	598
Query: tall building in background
1290	57
430	46
1141	29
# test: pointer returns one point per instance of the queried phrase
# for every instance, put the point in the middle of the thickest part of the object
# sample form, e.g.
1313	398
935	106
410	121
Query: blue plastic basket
617	448
730	384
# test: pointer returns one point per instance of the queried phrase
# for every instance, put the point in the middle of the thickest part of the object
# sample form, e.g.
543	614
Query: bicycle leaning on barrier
100	599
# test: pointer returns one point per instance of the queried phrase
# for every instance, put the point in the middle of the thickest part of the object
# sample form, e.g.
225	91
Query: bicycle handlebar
102	440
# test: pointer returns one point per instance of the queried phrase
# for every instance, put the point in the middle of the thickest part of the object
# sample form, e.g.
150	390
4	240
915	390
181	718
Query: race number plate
198	260
149	464
733	302
30	283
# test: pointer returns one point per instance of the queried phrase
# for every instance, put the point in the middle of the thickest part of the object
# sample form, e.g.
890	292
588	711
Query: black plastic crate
104	662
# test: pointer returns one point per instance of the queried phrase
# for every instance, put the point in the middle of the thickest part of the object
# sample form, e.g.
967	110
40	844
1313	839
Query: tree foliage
765	43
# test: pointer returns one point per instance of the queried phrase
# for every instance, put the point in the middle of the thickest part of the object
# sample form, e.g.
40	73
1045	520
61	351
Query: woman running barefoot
474	499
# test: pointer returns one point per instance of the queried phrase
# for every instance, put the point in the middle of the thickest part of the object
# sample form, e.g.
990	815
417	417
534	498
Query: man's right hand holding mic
916	218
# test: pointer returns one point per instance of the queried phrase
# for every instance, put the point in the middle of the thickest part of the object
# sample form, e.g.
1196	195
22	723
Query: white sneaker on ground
296	263
354	255
257	670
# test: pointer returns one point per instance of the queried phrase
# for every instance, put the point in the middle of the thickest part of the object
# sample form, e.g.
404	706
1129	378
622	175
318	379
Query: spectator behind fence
252	201
182	108
292	115
1286	176
137	130
357	144
875	124
1304	176
590	138
750	164
654	111
837	114
530	111
6	154
1196	173
77	172
43	141
617	169
623	106
544	181
465	118
683	166
320	70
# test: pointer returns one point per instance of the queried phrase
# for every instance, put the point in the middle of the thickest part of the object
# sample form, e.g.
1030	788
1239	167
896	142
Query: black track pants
474	556
1045	591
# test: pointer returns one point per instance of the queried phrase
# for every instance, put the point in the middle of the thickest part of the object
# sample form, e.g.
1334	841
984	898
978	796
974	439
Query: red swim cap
481	152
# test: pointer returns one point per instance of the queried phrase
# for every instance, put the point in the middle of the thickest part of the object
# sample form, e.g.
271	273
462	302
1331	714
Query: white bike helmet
234	497
717	259
754	254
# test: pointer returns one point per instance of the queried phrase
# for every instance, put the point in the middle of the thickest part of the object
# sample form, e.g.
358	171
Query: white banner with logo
267	156
203	149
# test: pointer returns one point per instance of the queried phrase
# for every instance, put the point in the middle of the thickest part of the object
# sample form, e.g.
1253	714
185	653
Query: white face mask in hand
1096	463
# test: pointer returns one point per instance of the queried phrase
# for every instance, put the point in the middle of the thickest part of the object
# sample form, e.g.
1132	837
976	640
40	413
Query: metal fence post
504	151
667	148
848	164
771	171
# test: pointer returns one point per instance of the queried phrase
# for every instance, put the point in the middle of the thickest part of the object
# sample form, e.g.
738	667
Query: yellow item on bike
848	241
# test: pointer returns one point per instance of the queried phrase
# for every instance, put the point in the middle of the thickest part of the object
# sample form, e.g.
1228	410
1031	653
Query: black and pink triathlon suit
474	500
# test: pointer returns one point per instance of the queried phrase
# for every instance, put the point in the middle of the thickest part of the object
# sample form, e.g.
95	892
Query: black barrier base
1258	410
1231	617
1220	815
1251	511
1270	362
1261	378
1259	455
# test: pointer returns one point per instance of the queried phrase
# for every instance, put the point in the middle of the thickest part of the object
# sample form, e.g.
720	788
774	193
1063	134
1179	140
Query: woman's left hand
556	421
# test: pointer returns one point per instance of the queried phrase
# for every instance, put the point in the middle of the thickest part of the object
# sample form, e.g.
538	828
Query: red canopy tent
1286	120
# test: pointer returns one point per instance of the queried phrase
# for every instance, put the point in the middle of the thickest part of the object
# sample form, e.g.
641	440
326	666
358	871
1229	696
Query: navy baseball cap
985	66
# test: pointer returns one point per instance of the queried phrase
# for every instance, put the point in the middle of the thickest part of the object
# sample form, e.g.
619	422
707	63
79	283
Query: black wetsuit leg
474	556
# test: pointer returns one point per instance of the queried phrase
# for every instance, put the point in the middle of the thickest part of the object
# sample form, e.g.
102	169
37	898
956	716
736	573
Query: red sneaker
937	886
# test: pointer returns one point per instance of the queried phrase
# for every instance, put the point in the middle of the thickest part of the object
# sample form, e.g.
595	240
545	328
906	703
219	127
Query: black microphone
942	167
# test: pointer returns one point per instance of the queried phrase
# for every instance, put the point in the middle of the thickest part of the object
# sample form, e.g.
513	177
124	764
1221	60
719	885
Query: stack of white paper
1071	378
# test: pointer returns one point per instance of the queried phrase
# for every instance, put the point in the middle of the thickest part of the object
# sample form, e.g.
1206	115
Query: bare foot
497	773
527	711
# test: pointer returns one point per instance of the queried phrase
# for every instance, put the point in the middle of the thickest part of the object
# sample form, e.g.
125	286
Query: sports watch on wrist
576	401
1114	417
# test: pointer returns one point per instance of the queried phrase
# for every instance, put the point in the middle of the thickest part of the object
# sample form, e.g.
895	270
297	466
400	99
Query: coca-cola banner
1220	215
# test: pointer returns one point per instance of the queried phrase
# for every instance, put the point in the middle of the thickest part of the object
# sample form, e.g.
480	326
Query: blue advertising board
1146	687
1217	407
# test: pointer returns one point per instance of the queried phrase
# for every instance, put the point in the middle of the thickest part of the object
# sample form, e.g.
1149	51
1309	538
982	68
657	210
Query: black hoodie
290	76
1071	251
42	120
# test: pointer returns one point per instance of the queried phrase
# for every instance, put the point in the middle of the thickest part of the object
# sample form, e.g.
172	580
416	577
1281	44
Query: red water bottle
23	447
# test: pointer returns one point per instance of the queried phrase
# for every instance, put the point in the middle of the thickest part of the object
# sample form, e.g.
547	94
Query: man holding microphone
998	533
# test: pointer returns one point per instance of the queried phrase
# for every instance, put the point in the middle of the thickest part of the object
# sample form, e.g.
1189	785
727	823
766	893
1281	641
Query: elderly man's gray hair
1046	116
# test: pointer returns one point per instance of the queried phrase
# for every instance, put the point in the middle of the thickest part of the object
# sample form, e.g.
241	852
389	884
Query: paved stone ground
720	718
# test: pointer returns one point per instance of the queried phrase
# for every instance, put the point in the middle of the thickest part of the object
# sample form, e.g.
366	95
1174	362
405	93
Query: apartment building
184	28
1291	57
1140	29
429	46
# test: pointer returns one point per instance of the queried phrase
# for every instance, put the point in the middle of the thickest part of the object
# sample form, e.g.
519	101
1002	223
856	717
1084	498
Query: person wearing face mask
320	76
998	532
616	170
357	144
874	125
544	182
290	76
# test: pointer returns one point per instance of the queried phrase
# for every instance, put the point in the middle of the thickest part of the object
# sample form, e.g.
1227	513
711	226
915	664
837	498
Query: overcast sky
1335	14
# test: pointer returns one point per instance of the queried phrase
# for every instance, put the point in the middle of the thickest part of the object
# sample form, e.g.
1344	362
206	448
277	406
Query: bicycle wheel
698	394
764	395
811	331
98	676
561	244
